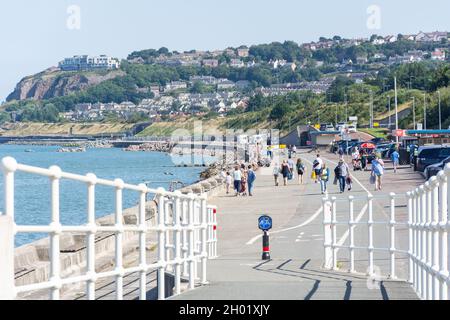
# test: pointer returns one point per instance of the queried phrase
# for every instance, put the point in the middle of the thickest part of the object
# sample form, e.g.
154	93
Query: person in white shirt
237	176
276	173
317	166
228	181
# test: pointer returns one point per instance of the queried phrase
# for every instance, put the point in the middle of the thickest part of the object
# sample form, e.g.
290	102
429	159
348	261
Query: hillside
53	83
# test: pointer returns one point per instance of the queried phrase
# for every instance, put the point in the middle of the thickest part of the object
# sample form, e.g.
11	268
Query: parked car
329	127
433	170
352	129
429	155
341	126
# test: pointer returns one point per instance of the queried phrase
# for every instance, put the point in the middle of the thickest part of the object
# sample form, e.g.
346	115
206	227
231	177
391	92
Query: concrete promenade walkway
295	271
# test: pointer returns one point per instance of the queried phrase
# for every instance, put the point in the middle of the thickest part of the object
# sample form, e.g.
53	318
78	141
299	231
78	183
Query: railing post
91	238
445	202
334	232
370	222
55	268
9	166
185	240
191	241
327	259
351	227
7	291
142	244
435	238
422	243
214	213
119	239
392	235
167	234
204	239
410	236
414	249
177	241
428	250
161	244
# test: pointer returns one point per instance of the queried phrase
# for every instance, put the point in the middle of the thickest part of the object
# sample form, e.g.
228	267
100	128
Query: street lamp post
425	111
389	110
346	107
414	113
396	110
371	109
440	117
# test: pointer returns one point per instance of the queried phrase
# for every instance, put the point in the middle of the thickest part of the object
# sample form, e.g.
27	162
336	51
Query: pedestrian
294	150
276	173
341	152
342	172
301	170
237	177
291	164
324	177
251	177
395	157
228	181
285	171
377	172
317	167
244	181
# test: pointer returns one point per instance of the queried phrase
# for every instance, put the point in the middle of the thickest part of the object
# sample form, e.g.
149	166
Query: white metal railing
427	235
188	217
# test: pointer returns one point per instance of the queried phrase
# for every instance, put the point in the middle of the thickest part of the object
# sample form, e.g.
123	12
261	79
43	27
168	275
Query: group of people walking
287	171
242	179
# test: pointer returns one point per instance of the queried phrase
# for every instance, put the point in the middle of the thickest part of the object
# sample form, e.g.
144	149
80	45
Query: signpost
265	224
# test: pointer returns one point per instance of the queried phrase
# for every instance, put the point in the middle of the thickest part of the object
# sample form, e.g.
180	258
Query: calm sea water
32	193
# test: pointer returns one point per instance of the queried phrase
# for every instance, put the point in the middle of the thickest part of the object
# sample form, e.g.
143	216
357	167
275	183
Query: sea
32	192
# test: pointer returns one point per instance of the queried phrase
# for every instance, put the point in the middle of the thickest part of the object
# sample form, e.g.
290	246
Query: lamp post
371	109
389	110
396	109
425	111
440	117
414	113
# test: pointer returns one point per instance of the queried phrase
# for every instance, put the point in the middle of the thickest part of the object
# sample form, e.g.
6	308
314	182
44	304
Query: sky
37	34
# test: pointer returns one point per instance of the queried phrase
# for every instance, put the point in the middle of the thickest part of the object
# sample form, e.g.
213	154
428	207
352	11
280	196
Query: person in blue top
377	172
251	177
395	157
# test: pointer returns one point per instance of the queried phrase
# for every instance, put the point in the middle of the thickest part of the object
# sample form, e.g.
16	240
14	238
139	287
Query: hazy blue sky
34	35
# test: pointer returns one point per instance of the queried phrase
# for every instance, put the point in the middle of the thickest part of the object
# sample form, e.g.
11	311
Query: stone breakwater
151	146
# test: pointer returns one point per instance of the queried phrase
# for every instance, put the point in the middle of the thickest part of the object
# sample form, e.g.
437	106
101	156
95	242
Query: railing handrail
428	226
189	218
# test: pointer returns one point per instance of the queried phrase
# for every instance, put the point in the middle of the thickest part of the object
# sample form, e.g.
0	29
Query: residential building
237	63
436	36
438	55
243	52
85	62
213	63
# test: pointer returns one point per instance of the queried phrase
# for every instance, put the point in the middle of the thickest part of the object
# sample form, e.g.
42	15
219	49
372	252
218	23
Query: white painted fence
427	227
188	218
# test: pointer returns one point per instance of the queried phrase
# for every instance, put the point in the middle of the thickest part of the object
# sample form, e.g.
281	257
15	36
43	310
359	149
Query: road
295	270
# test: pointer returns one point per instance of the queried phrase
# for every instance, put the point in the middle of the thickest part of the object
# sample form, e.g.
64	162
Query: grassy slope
24	129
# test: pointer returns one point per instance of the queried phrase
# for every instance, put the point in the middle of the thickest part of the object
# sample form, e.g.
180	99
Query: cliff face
54	83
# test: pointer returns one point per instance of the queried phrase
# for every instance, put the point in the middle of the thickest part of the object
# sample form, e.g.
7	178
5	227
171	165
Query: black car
431	155
433	170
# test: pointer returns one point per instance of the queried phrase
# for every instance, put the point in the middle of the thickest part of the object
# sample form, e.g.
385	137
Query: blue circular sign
265	223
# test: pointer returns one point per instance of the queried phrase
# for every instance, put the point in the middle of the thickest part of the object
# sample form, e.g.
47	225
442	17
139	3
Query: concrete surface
295	271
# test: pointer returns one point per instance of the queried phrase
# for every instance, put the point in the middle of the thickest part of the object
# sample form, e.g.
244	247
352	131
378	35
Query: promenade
296	242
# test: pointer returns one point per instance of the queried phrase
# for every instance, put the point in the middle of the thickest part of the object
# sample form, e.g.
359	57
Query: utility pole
396	110
440	118
346	108
371	109
425	111
414	113
389	110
